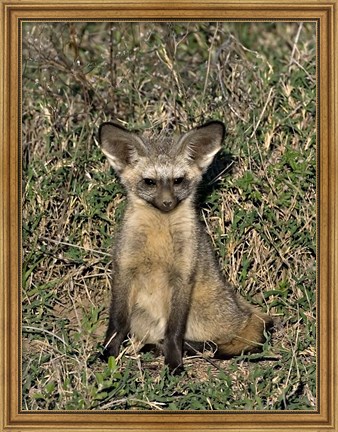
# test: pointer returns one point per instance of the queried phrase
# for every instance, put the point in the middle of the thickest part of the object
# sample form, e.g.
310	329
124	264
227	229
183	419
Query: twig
295	44
262	113
44	331
112	337
73	245
156	405
218	176
209	62
167	61
200	355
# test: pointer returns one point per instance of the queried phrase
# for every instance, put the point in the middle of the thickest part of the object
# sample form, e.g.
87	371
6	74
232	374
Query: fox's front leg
176	325
119	319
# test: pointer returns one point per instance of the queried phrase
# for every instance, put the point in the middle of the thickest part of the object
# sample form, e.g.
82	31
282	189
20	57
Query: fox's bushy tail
250	339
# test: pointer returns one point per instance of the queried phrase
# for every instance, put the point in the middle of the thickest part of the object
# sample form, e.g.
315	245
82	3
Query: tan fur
166	281
151	288
249	339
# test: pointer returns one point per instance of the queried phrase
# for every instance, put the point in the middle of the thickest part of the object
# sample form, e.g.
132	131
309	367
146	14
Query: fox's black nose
167	203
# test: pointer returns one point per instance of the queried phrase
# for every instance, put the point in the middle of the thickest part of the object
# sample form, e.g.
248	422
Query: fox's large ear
201	144
119	145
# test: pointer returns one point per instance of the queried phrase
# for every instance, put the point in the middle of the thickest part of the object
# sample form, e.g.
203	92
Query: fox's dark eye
178	180
149	182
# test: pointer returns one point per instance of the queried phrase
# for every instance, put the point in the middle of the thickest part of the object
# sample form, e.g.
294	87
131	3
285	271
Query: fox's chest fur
158	248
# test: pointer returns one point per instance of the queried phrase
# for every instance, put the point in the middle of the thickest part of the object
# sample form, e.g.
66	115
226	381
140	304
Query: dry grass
259	78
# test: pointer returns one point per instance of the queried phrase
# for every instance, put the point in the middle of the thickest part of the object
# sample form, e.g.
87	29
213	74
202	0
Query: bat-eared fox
167	288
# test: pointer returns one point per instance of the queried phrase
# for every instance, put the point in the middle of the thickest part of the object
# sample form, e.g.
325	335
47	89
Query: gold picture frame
325	14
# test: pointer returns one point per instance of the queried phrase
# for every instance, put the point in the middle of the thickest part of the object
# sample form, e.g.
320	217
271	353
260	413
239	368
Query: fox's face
161	171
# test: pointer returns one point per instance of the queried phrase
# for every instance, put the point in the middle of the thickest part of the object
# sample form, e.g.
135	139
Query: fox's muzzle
165	199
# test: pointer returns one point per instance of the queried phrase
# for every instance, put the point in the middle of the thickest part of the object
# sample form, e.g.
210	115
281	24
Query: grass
260	79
